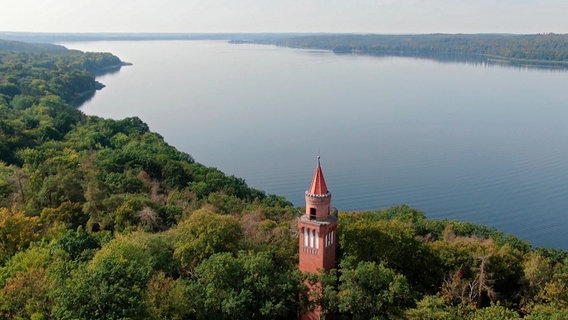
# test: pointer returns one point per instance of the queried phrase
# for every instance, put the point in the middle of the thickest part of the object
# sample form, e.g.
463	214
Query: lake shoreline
456	147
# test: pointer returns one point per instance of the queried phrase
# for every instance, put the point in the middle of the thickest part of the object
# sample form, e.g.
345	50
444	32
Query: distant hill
70	37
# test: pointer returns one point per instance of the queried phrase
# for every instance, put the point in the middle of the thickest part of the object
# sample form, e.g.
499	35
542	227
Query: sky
236	16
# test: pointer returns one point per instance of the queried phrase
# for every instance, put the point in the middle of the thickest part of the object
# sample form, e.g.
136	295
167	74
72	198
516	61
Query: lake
468	141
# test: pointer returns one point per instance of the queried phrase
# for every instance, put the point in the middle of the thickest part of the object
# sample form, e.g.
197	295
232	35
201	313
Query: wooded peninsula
102	219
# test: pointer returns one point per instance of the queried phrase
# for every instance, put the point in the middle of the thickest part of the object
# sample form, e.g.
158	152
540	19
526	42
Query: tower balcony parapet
314	195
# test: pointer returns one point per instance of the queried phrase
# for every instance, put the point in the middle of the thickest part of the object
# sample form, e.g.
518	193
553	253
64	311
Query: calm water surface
473	142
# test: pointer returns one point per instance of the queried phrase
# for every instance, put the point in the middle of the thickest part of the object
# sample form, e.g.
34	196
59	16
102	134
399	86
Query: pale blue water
473	142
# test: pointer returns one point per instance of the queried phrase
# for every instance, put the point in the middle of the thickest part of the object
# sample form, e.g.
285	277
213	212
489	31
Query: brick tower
317	229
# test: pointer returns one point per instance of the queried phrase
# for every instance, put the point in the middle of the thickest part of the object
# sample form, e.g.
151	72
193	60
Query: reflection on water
476	60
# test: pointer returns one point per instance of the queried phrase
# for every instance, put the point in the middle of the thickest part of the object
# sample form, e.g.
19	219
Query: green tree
27	295
78	244
6	185
372	291
112	284
391	242
494	312
69	213
203	234
248	286
431	308
17	231
166	298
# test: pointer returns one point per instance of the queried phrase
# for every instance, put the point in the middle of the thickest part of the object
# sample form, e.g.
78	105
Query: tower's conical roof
318	182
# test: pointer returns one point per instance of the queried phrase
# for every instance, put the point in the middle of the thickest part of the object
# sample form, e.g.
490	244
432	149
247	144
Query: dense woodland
540	49
102	219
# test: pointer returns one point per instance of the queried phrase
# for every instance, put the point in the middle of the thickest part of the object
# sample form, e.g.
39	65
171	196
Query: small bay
474	142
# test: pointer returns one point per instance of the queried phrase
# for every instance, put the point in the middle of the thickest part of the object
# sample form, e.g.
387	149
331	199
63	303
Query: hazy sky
373	16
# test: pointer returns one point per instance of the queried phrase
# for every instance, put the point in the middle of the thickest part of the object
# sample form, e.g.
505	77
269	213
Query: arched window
306	237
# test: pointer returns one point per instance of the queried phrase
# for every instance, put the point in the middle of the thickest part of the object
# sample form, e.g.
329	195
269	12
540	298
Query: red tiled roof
318	182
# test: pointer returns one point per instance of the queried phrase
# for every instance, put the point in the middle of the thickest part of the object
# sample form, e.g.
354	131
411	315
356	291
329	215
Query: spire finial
318	186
